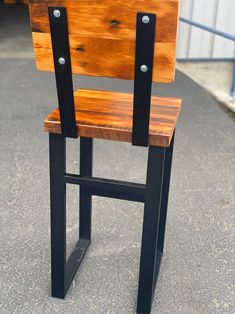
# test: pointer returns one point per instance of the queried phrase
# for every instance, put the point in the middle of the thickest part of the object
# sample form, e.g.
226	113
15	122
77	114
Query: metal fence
213	44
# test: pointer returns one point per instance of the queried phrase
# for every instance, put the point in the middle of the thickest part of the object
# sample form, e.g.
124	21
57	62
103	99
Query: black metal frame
63	72
144	55
154	194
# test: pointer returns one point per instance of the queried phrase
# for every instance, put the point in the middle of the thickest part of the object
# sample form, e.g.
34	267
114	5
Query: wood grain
15	1
102	36
108	115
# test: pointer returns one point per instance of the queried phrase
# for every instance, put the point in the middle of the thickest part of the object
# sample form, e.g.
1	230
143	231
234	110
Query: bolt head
144	68
56	13
145	19
61	61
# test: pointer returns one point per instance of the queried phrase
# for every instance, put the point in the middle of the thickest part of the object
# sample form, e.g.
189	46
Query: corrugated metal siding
196	43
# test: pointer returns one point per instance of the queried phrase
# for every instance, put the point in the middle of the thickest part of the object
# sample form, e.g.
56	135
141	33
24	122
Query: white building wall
197	43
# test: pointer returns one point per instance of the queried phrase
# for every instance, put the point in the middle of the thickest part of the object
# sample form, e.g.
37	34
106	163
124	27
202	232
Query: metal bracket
144	56
63	72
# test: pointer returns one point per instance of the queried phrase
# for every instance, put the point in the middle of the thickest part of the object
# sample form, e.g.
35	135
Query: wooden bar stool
116	39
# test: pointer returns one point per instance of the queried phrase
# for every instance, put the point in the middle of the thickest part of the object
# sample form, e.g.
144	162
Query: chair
134	40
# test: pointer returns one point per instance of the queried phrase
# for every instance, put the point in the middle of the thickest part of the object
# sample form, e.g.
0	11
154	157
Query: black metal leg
58	214
165	195
85	200
62	273
155	212
150	259
75	259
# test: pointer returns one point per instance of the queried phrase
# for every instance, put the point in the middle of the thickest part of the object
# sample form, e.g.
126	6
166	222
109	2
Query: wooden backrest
102	35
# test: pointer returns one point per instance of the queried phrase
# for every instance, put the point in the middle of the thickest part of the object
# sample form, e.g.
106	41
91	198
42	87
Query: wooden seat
108	115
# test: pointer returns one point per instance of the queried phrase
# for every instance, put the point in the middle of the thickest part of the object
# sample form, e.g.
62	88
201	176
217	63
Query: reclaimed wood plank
102	36
108	115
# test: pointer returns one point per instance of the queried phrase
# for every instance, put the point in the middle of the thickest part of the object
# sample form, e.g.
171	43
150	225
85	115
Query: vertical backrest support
144	57
63	72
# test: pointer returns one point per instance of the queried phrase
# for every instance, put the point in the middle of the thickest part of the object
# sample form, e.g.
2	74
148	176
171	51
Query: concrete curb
220	96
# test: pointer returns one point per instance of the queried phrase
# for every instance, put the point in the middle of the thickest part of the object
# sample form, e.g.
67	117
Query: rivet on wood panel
144	68
61	61
56	13
145	19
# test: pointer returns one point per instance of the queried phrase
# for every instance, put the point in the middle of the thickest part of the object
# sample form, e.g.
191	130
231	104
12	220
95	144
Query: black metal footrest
109	188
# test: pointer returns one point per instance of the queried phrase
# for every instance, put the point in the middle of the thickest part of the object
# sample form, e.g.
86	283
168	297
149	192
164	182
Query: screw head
144	68
56	13
61	61
145	19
